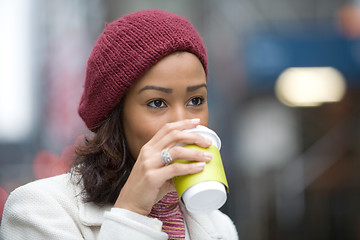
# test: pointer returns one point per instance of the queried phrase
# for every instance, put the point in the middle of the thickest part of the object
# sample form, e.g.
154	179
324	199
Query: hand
149	179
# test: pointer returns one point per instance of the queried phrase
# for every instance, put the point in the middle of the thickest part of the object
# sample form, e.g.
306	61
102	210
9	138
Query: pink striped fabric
168	211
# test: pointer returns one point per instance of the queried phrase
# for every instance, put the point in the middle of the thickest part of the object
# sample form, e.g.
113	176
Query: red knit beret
125	50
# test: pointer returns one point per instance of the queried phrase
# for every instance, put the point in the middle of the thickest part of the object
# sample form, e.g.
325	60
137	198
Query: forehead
175	69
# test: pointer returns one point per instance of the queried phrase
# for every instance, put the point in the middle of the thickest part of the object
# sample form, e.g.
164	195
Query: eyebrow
195	87
162	89
169	90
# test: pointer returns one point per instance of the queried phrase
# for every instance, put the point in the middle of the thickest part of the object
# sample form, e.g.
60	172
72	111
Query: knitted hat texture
125	50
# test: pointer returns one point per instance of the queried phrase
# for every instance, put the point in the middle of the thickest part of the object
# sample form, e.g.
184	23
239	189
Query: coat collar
199	226
90	214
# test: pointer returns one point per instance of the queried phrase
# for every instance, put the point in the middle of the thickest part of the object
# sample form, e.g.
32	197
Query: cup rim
203	130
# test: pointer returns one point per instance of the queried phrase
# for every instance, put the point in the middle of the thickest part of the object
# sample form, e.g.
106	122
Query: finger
181	153
179	125
179	169
181	137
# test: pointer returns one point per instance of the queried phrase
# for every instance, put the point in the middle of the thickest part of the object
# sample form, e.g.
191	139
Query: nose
179	112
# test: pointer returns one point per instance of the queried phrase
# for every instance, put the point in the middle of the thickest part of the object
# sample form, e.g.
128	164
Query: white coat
52	208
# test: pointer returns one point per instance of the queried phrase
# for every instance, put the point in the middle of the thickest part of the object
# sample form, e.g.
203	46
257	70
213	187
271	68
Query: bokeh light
306	87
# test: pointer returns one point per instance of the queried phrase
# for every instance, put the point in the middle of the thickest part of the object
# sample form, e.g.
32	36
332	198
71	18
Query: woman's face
173	89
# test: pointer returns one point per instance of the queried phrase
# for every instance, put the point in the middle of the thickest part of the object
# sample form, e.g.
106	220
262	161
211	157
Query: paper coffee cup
207	190
205	197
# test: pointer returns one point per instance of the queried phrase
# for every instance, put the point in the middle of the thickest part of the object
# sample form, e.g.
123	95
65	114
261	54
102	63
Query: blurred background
284	94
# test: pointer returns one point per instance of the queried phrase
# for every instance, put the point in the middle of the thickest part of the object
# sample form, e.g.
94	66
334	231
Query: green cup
207	190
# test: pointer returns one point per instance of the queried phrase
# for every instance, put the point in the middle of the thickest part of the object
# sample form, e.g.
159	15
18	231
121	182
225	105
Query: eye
196	101
157	103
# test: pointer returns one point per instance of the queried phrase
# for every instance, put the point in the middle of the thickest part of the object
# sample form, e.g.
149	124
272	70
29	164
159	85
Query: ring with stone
165	157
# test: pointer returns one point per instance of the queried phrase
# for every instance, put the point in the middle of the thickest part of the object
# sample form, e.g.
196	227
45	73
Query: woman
146	81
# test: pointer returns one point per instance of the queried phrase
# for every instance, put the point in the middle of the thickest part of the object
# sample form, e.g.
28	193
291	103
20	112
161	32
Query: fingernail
200	165
208	141
208	155
195	120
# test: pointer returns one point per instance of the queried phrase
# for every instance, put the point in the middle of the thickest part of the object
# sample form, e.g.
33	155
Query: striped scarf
168	211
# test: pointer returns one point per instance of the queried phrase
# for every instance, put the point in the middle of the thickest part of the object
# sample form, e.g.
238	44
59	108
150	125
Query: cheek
204	121
138	131
204	117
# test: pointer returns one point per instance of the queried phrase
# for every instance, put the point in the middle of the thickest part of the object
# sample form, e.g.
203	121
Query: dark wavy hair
103	164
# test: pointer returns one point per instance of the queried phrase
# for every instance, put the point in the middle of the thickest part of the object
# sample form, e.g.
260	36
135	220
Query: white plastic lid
207	133
205	197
